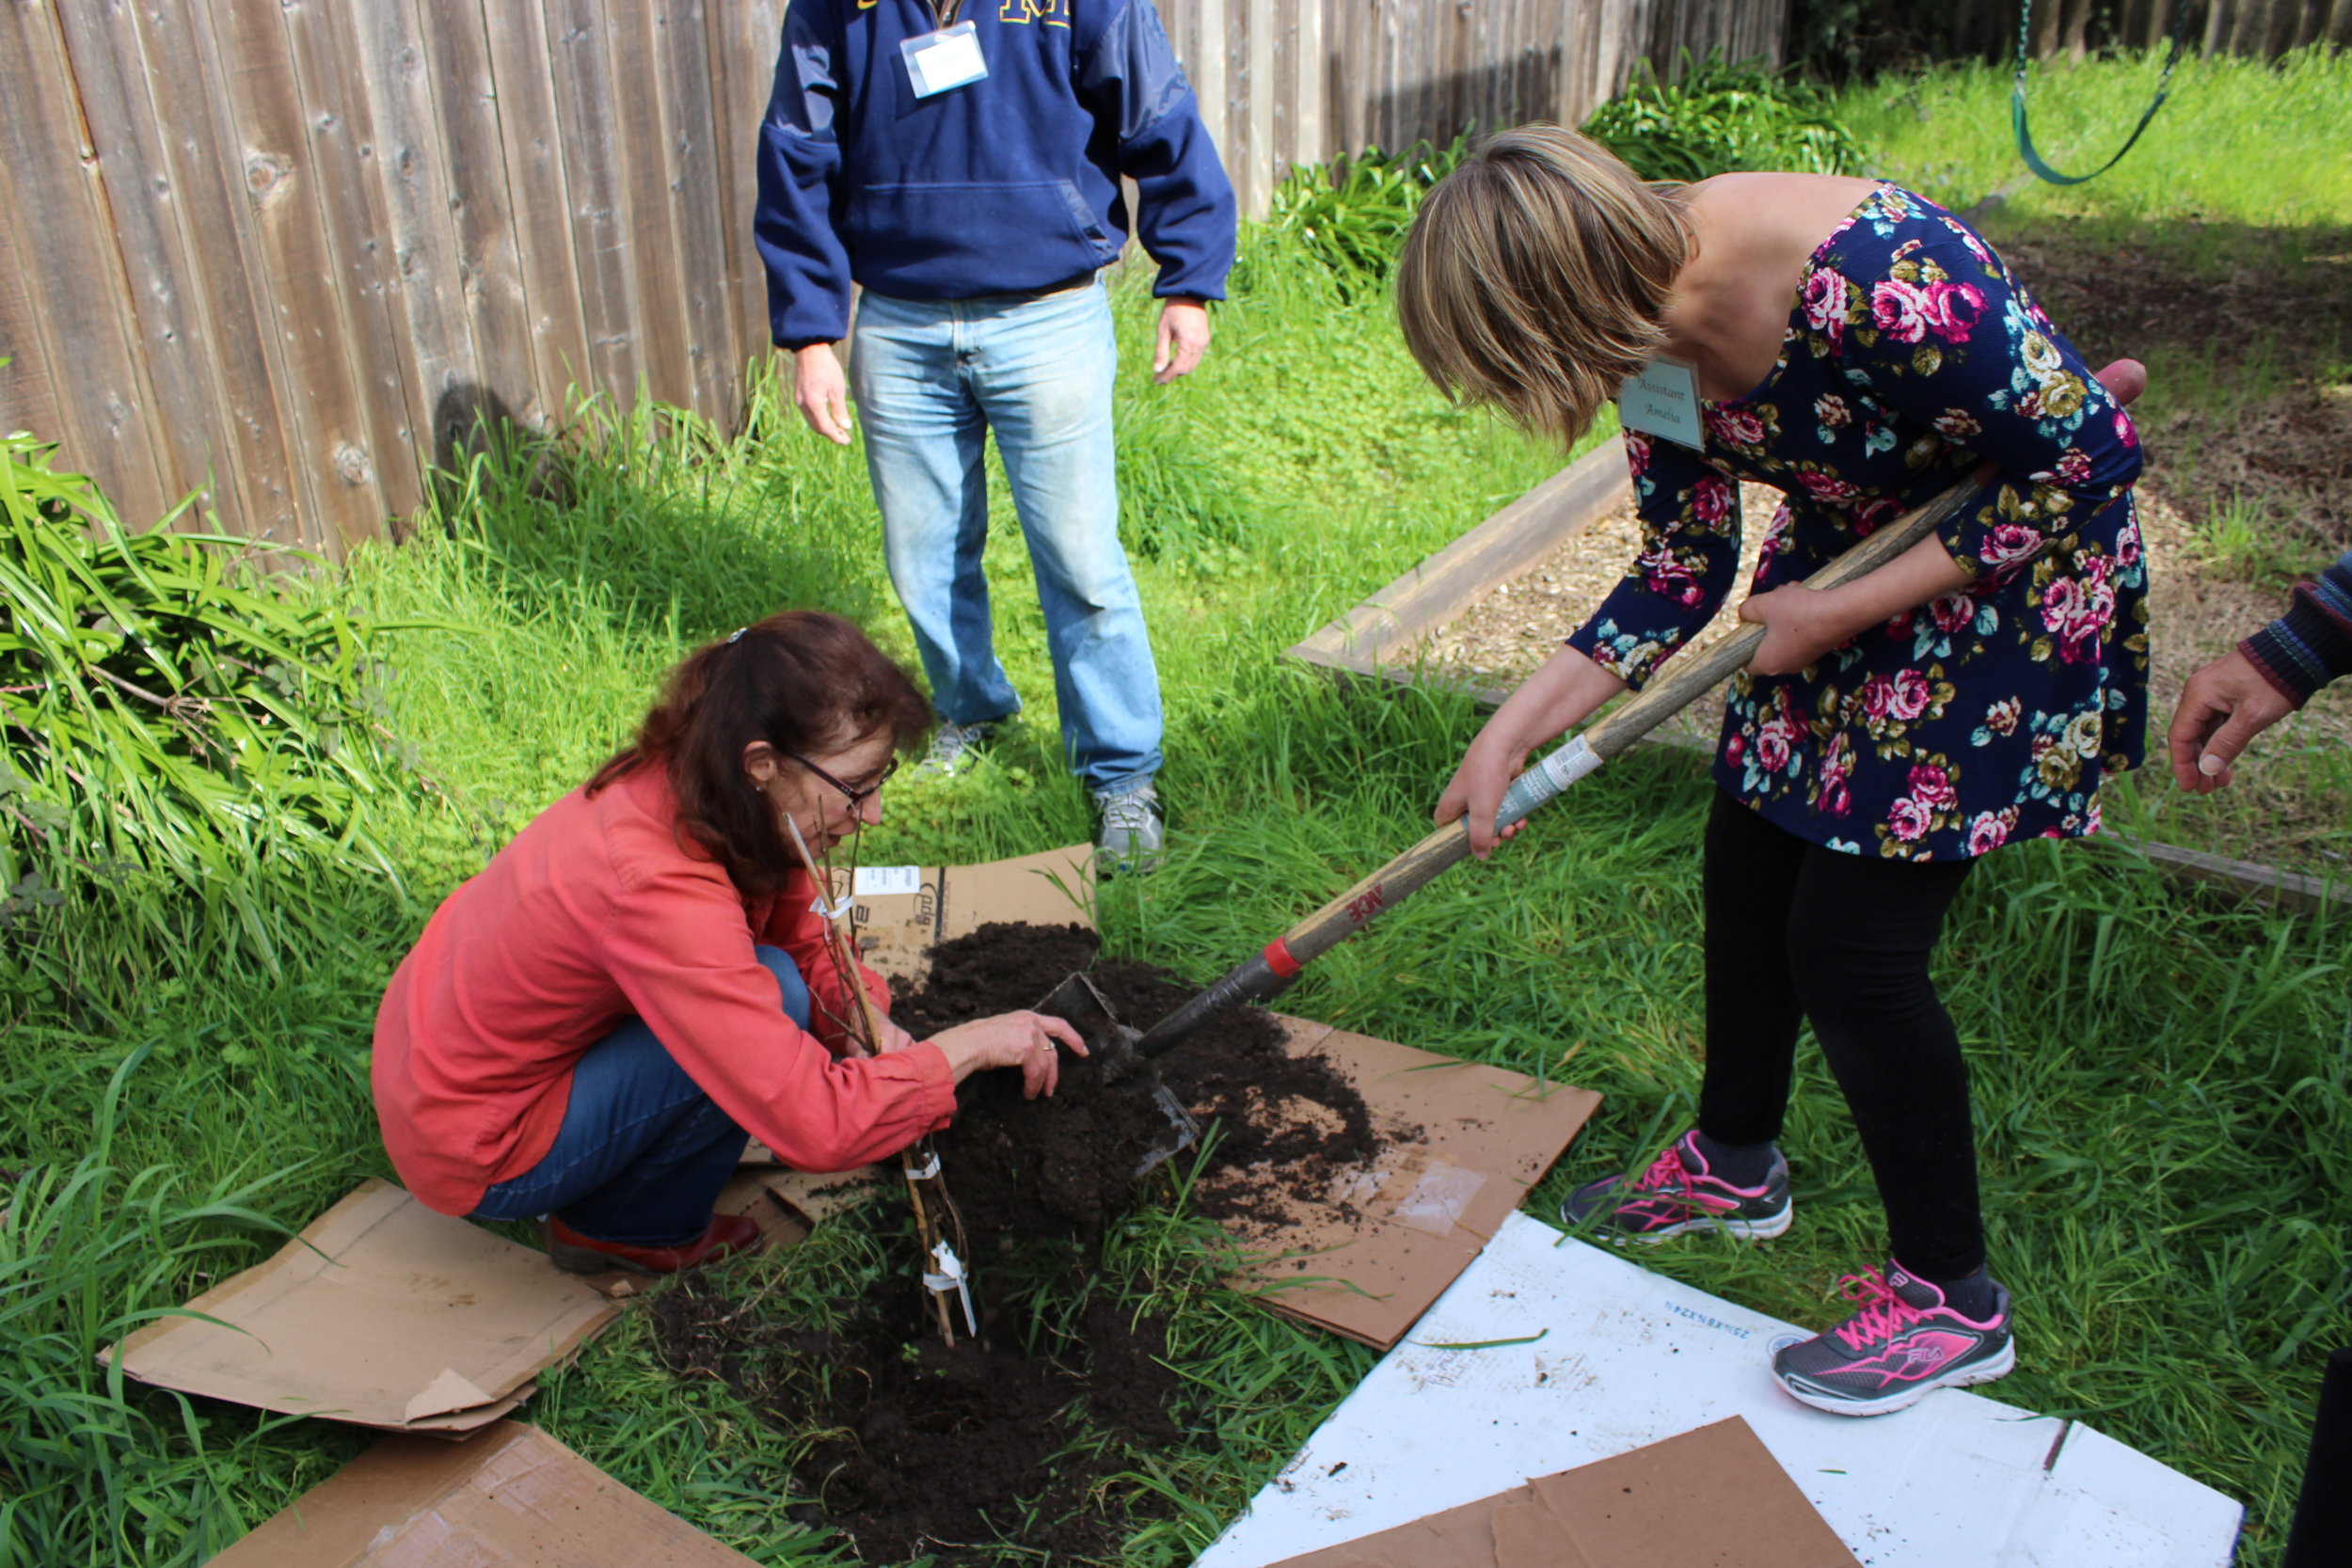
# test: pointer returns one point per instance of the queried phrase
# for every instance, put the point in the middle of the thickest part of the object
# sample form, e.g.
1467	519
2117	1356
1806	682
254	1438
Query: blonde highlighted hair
1534	276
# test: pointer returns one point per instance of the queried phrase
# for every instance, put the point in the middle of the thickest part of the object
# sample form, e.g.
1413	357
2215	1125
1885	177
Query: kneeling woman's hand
1025	1040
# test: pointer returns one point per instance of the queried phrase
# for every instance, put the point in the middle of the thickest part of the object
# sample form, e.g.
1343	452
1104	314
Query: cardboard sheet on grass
511	1495
1610	1357
1711	1498
1368	1259
383	1314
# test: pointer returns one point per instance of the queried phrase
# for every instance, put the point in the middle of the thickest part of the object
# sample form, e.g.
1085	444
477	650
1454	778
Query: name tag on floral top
1664	399
949	58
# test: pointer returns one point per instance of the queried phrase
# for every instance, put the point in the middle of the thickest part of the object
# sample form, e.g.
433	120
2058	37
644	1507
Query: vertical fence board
345	149
27	396
745	37
522	75
110	77
586	133
410	167
1313	144
312	350
481	211
71	271
1283	110
1208	73
1262	91
226	295
637	143
694	181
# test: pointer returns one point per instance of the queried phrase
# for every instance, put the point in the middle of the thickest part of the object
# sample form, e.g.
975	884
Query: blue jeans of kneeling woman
643	1151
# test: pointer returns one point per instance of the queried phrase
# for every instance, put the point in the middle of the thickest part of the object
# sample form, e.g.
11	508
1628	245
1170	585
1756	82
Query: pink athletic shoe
1679	1193
1902	1343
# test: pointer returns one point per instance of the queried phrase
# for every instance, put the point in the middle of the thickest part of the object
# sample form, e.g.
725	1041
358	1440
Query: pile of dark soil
1287	1126
923	1449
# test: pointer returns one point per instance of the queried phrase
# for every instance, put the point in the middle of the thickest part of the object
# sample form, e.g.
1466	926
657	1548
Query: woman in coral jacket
589	1029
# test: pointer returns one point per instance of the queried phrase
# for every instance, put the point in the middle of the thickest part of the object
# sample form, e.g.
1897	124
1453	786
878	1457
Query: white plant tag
885	881
1664	399
948	59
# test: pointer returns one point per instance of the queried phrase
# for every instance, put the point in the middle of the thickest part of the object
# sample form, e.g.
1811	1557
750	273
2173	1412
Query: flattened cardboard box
383	1314
511	1495
1370	1259
1714	1498
901	912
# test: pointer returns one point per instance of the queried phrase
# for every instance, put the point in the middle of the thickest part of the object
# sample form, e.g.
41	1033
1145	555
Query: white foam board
1628	1357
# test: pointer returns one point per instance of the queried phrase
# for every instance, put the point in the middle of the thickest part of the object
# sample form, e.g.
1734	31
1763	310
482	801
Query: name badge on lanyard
947	58
1664	399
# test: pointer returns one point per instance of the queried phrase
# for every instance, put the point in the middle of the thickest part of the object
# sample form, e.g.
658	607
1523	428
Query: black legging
1796	931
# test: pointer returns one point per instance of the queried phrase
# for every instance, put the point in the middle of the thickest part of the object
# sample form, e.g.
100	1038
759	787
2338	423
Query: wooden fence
283	254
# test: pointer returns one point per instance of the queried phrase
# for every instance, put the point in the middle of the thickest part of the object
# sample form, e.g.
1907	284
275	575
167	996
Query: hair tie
737	635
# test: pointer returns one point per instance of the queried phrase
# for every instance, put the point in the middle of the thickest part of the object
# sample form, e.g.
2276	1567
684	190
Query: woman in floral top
1861	350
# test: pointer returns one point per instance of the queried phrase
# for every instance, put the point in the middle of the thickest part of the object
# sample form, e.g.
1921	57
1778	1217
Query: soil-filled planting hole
918	1448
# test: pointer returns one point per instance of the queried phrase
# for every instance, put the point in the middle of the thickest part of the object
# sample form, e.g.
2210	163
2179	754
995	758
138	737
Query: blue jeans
931	378
643	1151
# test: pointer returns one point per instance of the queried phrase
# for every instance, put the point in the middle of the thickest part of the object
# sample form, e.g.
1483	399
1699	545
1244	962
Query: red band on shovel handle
1277	958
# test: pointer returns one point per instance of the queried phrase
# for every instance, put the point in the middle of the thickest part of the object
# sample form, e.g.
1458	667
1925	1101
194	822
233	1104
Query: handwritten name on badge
937	61
1664	399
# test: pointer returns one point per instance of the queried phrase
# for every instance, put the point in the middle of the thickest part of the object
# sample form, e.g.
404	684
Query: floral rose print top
1990	714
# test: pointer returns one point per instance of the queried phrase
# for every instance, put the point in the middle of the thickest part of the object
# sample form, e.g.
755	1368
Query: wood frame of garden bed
1376	640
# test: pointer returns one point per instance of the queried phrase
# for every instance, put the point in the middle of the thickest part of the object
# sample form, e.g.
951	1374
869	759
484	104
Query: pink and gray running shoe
1902	1343
1678	1193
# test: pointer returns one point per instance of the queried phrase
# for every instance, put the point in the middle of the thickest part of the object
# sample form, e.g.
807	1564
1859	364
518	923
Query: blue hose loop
2017	99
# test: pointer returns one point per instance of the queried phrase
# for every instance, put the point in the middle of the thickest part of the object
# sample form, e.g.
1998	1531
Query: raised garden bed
1484	613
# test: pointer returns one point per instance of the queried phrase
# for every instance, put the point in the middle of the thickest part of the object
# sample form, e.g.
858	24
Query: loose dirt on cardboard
1065	1165
922	1447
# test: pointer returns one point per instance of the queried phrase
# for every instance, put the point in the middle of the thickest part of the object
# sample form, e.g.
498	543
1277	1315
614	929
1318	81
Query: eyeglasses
855	797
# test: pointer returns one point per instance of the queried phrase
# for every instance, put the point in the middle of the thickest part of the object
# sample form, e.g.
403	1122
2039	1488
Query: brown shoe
574	1253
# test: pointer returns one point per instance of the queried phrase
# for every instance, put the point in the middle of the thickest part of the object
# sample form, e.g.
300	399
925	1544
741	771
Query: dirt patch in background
2268	323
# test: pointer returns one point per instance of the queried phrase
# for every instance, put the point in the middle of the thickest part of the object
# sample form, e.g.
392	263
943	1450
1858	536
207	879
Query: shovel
1680	682
1112	1044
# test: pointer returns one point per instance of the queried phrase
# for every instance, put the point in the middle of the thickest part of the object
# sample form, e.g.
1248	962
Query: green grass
2161	1074
2238	140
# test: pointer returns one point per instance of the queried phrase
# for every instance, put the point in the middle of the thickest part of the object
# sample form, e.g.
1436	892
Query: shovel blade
1081	1004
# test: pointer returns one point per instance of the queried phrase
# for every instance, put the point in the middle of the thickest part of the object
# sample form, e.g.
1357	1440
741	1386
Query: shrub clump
1717	117
168	716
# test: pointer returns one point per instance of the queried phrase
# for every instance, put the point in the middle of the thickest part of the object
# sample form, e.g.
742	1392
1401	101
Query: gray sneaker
954	749
1131	836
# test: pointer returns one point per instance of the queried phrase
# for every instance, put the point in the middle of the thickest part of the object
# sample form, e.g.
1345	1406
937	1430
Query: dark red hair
803	681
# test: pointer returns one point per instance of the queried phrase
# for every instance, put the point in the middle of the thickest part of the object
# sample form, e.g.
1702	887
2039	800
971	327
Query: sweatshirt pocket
954	241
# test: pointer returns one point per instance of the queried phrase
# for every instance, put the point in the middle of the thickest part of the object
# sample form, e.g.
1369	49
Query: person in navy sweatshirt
2272	674
960	162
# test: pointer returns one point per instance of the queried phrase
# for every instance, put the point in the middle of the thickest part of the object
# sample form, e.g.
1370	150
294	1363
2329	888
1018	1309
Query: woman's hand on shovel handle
1023	1041
1553	700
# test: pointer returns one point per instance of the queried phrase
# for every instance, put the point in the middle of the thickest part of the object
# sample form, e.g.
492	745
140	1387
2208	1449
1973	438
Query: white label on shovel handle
1547	780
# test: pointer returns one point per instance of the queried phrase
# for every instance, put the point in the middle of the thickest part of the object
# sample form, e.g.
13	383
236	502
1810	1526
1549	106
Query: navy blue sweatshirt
1002	186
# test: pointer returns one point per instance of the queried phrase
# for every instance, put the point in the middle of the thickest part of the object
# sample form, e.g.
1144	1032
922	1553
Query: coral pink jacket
596	911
